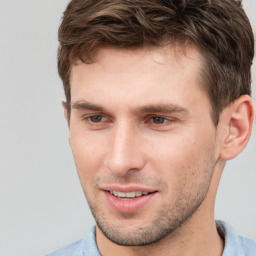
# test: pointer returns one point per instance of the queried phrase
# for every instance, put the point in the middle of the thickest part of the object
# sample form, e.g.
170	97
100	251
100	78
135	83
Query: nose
125	154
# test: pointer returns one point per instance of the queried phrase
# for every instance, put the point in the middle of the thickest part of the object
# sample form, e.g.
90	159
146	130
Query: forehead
134	75
176	56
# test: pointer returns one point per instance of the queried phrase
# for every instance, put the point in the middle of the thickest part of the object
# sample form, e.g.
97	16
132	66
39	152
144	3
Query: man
157	100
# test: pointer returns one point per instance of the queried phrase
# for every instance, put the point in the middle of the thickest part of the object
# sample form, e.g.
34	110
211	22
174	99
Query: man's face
143	140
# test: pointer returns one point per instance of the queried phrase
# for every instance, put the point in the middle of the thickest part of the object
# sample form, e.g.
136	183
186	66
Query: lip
131	205
129	188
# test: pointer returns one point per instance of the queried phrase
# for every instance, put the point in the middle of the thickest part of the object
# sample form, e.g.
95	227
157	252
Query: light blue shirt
234	245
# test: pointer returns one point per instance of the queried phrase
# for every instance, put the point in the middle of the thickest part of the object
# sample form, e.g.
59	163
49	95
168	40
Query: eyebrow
84	105
152	108
162	108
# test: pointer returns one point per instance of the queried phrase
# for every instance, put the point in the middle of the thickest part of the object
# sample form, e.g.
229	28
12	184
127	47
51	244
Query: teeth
138	193
128	194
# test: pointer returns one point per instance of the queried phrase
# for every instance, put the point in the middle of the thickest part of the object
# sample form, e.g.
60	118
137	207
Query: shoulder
248	245
70	250
84	247
235	245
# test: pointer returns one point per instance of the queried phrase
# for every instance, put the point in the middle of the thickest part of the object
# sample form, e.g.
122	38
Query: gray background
42	206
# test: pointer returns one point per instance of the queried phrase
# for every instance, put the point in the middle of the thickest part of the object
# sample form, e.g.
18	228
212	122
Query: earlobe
239	120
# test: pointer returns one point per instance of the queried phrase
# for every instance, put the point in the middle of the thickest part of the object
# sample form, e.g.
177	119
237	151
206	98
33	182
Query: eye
96	118
158	120
96	121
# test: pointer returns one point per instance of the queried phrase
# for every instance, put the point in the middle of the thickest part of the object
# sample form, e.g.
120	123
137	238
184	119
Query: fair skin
140	122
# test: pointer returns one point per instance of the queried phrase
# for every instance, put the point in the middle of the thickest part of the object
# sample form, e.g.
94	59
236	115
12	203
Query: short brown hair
220	29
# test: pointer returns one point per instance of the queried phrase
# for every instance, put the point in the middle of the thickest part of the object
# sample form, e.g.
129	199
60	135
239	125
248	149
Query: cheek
181	156
88	155
175	149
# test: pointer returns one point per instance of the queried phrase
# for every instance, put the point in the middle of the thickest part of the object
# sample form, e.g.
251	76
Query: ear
238	120
64	105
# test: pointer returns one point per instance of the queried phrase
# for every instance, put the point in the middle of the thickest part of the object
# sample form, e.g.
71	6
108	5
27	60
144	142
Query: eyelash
95	116
156	118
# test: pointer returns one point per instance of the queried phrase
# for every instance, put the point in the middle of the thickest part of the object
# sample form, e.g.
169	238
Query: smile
128	201
128	195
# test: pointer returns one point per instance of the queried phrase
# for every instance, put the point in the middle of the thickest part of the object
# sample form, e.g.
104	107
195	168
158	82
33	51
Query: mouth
129	195
129	200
